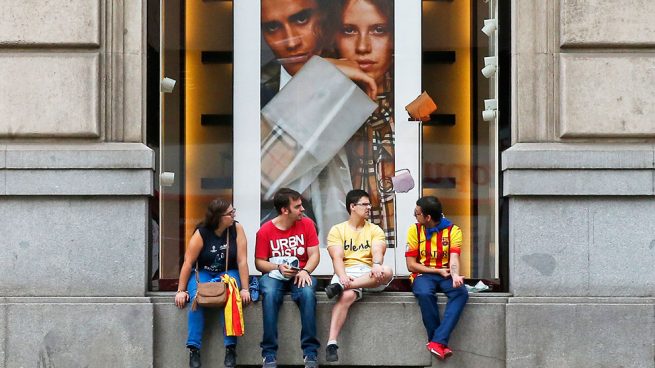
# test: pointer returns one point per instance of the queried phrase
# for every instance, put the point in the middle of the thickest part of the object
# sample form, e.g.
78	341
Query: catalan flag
233	308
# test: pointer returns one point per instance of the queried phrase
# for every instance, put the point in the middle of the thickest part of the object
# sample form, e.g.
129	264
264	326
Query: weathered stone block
479	339
607	95
534	20
382	329
579	156
73	246
359	342
599	246
578	182
77	156
78	332
49	95
134	102
548	247
78	182
586	23
3	332
549	332
55	22
534	98
622	247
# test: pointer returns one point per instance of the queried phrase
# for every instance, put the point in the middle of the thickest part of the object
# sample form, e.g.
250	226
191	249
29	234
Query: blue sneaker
269	362
254	288
311	361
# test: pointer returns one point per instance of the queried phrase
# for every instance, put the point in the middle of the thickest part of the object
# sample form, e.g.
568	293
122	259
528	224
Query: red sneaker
441	351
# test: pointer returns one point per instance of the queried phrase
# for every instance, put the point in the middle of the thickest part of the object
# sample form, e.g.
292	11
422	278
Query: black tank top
212	255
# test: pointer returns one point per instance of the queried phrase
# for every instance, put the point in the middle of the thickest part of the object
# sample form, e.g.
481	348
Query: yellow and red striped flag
233	308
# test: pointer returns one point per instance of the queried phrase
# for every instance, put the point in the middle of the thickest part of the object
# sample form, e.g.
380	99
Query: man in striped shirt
433	248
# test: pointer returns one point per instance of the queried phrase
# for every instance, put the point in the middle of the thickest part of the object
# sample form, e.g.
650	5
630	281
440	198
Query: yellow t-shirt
357	244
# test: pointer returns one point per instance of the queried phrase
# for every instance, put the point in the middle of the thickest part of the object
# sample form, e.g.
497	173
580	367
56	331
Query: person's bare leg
340	312
367	281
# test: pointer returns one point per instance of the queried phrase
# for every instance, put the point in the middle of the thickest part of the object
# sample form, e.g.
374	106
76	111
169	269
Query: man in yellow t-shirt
357	249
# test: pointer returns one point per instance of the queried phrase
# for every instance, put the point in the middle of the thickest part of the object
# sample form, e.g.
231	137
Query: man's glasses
363	204
231	213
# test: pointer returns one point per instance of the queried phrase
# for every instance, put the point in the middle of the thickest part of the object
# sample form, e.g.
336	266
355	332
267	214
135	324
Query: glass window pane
196	122
459	148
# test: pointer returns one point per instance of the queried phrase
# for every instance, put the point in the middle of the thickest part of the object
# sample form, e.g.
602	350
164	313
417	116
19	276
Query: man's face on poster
289	28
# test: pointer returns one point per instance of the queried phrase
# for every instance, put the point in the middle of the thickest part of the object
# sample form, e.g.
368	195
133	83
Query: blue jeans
425	286
196	320
272	292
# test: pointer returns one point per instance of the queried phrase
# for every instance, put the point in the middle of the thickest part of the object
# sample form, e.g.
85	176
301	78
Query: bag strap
227	250
227	255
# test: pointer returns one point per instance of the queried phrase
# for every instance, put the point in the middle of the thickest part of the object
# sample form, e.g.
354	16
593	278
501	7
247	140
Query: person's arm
264	266
454	270
378	249
414	266
242	261
337	254
455	249
190	257
303	276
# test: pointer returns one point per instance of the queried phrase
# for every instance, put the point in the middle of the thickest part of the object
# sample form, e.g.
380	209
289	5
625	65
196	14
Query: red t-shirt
273	242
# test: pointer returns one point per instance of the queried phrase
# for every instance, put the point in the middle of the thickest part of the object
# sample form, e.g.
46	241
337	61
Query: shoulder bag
212	294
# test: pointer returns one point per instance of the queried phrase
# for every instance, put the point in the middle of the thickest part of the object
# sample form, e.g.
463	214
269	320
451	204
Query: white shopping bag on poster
313	117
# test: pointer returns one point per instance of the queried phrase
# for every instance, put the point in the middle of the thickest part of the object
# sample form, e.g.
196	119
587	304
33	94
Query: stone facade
75	178
580	178
74	185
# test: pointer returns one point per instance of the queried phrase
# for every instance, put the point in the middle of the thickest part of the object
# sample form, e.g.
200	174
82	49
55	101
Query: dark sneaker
333	290
439	350
311	361
230	356
194	358
331	352
269	362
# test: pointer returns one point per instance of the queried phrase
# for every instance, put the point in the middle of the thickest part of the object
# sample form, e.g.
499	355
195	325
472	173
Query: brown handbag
212	294
421	107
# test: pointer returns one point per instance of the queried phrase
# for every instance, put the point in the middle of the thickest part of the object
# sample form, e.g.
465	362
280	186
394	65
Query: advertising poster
327	100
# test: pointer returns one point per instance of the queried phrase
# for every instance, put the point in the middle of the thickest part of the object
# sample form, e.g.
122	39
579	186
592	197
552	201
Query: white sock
332	342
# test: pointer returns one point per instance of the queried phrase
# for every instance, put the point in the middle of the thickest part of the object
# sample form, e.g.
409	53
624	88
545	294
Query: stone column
74	185
581	177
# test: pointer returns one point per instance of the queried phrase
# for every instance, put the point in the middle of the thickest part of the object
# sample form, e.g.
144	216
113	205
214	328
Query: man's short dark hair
430	205
354	196
283	198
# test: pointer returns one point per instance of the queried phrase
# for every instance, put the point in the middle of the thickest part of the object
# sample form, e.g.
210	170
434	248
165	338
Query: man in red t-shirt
286	253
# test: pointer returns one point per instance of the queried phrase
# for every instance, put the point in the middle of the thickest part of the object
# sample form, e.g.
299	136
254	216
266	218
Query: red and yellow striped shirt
434	253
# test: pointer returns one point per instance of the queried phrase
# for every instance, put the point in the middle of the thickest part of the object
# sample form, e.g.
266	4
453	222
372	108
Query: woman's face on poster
366	38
